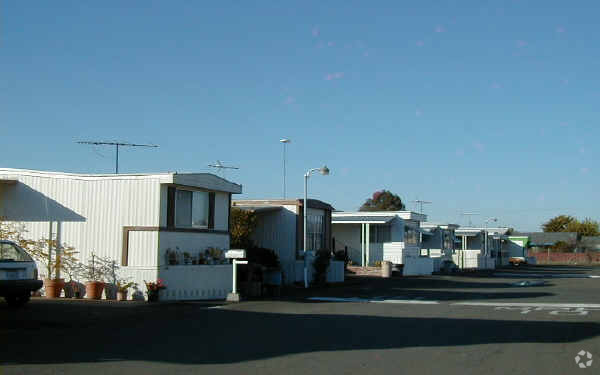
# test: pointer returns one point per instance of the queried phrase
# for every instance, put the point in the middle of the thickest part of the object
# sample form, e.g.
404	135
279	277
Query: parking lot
508	321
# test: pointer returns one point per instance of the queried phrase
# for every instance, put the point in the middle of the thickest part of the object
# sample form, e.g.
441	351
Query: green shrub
321	265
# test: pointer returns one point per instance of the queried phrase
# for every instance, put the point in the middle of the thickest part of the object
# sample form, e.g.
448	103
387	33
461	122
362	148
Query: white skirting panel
201	282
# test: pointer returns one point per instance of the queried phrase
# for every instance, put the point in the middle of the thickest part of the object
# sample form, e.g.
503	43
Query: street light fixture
285	141
324	171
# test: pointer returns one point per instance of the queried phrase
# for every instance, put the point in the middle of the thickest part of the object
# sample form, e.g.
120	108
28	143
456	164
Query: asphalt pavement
457	324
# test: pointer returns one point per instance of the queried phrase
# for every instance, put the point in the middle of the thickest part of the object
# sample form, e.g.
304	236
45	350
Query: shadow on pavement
187	334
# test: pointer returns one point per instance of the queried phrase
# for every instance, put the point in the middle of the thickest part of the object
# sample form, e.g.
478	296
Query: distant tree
565	223
558	224
383	200
587	227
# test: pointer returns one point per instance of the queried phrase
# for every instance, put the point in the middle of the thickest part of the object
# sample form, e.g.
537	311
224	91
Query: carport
21	204
365	221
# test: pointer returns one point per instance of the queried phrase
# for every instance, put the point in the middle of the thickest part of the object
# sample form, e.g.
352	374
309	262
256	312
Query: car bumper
19	287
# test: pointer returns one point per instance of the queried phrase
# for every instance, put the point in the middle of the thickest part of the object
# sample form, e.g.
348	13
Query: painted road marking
367	300
551	275
515	304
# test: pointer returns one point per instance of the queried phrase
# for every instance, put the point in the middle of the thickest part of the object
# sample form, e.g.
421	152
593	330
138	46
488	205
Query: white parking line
515	304
550	275
406	301
366	300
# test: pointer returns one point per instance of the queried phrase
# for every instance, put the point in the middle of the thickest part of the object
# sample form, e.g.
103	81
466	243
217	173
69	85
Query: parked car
517	261
18	274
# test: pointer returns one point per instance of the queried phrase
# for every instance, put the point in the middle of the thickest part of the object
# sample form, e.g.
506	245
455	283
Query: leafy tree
243	224
559	223
587	227
383	200
565	223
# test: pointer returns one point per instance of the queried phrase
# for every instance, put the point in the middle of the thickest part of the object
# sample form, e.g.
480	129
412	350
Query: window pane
200	209
183	209
10	252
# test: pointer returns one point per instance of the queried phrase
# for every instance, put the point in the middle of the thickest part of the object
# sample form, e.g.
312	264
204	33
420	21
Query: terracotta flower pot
122	296
53	287
93	289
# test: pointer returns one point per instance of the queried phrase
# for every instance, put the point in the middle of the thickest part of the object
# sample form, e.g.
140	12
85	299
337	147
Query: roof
207	181
548	238
260	209
406	215
361	219
446	226
312	203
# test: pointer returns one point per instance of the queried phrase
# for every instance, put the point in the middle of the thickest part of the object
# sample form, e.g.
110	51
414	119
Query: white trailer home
480	248
134	219
437	242
280	227
373	237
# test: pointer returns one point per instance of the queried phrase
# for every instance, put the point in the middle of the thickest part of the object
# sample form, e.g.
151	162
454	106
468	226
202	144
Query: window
191	209
9	252
315	232
411	235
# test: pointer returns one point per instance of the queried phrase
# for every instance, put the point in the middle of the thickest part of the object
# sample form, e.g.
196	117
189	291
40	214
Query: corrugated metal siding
276	230
221	210
143	249
103	206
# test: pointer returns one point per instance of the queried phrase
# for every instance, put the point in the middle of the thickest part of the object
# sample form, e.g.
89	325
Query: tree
243	224
587	227
559	224
565	223
383	200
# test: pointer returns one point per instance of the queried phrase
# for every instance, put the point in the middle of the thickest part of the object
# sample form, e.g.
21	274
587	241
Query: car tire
17	301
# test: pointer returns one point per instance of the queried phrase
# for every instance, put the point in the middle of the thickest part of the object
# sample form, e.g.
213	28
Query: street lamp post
494	219
324	171
285	141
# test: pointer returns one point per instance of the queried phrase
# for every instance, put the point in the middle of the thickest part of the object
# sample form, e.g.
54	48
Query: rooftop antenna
220	168
116	144
470	215
420	203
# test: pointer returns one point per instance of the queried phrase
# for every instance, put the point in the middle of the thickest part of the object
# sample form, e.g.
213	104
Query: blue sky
480	106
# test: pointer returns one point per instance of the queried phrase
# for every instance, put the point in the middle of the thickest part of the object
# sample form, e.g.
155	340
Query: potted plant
94	272
171	257
187	257
53	283
73	268
153	288
122	289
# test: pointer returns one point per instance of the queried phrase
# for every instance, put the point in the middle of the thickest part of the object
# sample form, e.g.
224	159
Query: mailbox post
235	254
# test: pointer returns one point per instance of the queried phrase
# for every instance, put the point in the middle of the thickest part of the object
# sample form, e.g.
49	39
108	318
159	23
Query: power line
220	168
116	144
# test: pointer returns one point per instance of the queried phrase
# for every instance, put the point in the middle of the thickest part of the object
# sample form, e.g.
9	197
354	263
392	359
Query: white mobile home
480	248
373	237
280	227
135	219
438	242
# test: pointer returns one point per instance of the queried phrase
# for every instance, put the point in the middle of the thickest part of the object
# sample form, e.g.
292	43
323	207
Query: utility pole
116	144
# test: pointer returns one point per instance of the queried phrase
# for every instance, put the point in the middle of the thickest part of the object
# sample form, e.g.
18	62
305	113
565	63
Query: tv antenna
470	215
116	144
220	168
420	203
